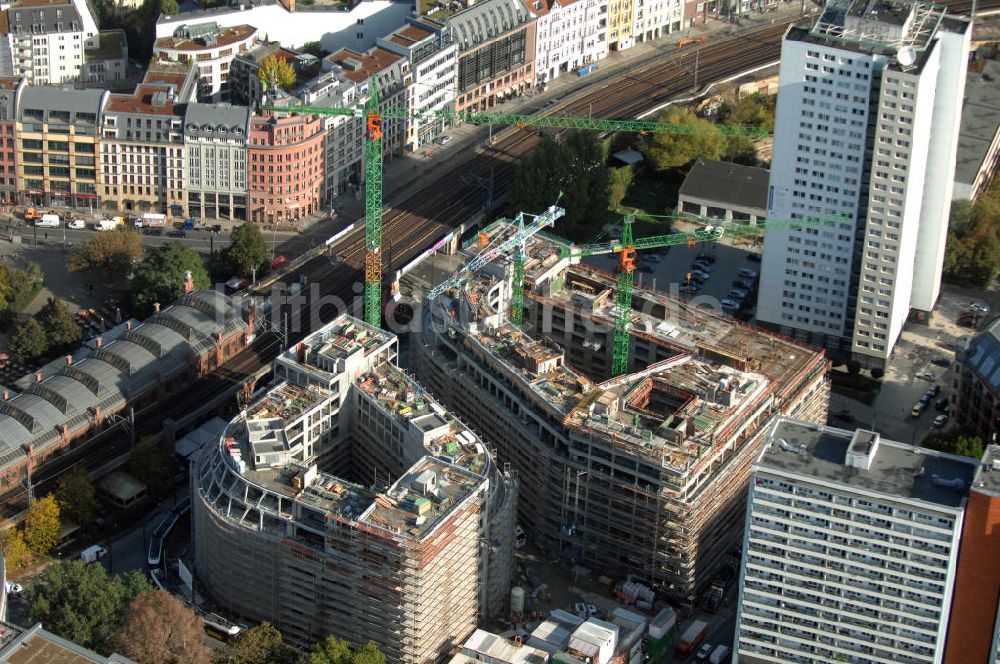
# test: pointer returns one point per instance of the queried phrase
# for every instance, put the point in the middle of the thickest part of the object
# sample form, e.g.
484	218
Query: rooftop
492	648
9	82
170	73
38	646
223	38
988	478
359	67
863	462
409	35
146	100
726	182
982	357
487	20
111	45
980	120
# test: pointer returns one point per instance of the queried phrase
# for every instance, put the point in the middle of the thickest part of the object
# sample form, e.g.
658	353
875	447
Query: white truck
106	225
151	220
48	221
721	655
93	553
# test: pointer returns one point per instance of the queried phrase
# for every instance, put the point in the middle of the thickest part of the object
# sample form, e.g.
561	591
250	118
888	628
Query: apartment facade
346	502
211	49
393	78
343	170
568	35
142	152
869	107
496	53
432	56
602	483
850	549
977	403
658	18
45	39
10	90
215	166
105	59
57	137
286	154
621	24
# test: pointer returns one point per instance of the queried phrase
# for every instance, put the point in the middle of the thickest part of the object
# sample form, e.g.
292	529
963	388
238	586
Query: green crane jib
501	245
373	159
627	247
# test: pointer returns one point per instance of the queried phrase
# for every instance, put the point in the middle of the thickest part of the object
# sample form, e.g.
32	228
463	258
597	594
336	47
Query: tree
158	629
261	644
16	553
960	441
620	179
76	497
330	651
573	168
28	341
170	7
161	275
369	654
18	287
756	110
247	251
83	603
60	325
149	463
41	525
114	254
315	49
740	150
276	71
698	138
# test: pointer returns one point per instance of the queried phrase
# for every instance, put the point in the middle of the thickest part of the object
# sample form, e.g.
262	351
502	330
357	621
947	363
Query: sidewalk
403	176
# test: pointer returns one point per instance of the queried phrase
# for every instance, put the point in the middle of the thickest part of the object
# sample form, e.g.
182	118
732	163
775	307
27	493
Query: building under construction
644	473
344	501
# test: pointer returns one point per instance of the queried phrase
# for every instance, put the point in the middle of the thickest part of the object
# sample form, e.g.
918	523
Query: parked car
689	287
941	404
748	273
979	307
730	304
926	375
444	140
652	258
756	258
704	266
709	258
936	390
738	293
743	283
217	228
155	232
703	652
966	322
844	415
941	361
77	224
916	410
695	272
177	233
940	421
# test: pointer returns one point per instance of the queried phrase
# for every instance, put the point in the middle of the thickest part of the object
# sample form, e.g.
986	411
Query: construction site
345	501
642	473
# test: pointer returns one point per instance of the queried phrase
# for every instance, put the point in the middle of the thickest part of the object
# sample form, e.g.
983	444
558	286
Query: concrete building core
344	501
644	473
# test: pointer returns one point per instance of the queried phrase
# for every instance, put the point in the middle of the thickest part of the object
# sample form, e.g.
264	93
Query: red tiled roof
372	62
9	82
223	39
141	101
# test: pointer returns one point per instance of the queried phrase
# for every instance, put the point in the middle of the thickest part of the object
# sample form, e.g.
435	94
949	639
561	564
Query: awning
176	206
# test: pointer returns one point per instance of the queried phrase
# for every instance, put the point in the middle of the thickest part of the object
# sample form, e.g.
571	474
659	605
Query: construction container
517	600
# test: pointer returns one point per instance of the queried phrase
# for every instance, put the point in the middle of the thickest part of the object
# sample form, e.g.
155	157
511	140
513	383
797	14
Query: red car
279	262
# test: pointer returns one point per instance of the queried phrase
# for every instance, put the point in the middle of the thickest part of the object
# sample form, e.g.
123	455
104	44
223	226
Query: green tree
972	254
620	179
28	341
970	446
369	654
330	651
740	150
18	287
756	110
247	251
77	498
41	525
158	629
161	275
261	644
960	441
83	603
170	7
573	167
16	553
699	138
276	71
114	254
60	325
149	463
315	49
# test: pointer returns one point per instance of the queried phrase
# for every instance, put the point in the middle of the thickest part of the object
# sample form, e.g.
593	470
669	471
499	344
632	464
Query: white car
14	588
730	304
520	539
940	421
980	308
77	224
444	140
926	375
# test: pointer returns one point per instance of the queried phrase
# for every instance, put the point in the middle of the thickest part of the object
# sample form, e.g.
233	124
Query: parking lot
667	271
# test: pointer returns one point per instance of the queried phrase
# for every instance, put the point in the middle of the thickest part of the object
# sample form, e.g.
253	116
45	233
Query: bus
155	554
219	627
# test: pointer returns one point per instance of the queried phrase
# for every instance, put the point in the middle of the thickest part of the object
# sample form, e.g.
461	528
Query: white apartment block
657	18
568	35
850	548
211	49
45	43
869	108
433	57
344	134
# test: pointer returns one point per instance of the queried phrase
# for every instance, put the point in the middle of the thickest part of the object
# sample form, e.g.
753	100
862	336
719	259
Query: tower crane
374	118
627	247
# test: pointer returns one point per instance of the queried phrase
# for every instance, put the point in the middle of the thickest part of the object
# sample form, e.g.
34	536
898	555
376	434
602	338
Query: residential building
640	474
286	156
979	137
144	366
346	502
10	90
724	190
432	55
869	106
211	49
977	397
36	644
215	160
105	60
182	77
496	53
621	24
57	146
974	629
393	77
142	152
568	35
45	39
344	133
850	548
658	18
245	86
